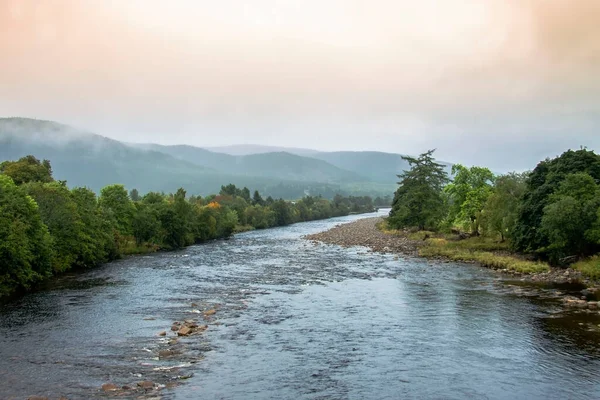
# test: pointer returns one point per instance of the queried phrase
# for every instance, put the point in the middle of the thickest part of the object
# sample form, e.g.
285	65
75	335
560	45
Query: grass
589	267
421	235
243	228
385	228
486	251
130	247
480	250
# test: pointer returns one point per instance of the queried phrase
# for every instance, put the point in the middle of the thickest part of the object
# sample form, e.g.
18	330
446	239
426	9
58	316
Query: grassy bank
589	268
488	252
484	252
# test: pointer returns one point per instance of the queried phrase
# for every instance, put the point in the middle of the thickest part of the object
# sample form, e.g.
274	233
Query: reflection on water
299	321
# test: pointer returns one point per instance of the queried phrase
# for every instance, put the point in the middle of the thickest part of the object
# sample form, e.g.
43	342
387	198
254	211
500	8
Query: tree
257	199
134	195
27	169
418	201
543	181
59	213
245	194
283	214
229	190
260	217
116	199
96	238
145	223
501	207
570	219
468	193
25	253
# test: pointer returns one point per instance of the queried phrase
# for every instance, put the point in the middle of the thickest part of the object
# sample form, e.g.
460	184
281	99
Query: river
296	321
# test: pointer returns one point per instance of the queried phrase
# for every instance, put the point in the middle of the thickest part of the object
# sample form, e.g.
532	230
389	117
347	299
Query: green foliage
60	214
499	214
46	228
25	248
570	219
116	199
543	182
27	169
96	234
589	268
257	199
134	195
468	194
145	224
418	202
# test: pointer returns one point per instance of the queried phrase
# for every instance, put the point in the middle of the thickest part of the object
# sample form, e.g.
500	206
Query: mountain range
86	159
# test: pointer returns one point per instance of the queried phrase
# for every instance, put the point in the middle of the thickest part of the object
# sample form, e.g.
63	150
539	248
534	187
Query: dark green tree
27	169
245	194
570	219
145	224
282	211
543	181
257	199
96	238
25	253
59	213
419	202
134	195
116	199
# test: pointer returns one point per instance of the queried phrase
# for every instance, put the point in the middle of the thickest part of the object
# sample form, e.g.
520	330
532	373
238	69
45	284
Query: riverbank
370	233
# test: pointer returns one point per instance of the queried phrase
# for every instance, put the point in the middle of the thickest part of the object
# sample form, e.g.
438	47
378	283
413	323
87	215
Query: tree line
551	212
47	228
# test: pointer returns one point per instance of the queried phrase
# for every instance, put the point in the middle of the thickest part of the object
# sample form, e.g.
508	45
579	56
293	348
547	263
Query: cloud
474	78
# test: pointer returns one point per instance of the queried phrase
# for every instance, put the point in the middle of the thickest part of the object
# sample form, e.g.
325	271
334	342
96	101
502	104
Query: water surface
297	320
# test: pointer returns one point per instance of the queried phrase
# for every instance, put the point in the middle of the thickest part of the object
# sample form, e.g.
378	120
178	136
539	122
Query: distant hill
278	165
248	149
86	159
376	166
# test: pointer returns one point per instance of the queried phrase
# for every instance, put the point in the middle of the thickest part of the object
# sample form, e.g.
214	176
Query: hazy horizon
500	83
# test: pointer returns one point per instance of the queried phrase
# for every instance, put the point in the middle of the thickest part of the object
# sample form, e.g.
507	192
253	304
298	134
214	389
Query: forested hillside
282	165
87	159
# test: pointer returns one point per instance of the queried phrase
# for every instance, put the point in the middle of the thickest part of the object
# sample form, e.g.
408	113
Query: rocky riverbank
365	233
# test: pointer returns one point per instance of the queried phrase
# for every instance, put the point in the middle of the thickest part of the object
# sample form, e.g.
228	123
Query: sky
500	83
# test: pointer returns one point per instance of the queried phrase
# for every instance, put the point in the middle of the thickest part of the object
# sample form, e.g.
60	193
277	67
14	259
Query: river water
296	321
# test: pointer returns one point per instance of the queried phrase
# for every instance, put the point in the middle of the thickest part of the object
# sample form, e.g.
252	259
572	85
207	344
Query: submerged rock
146	385
165	353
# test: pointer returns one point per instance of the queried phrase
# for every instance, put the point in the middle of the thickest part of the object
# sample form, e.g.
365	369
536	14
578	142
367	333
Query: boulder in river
210	312
163	333
184	331
110	387
146	385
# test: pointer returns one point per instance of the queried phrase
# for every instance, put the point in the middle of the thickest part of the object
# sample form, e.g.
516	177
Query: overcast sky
502	83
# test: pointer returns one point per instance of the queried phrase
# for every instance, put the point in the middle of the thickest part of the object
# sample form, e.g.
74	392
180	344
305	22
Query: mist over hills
247	149
280	164
86	159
